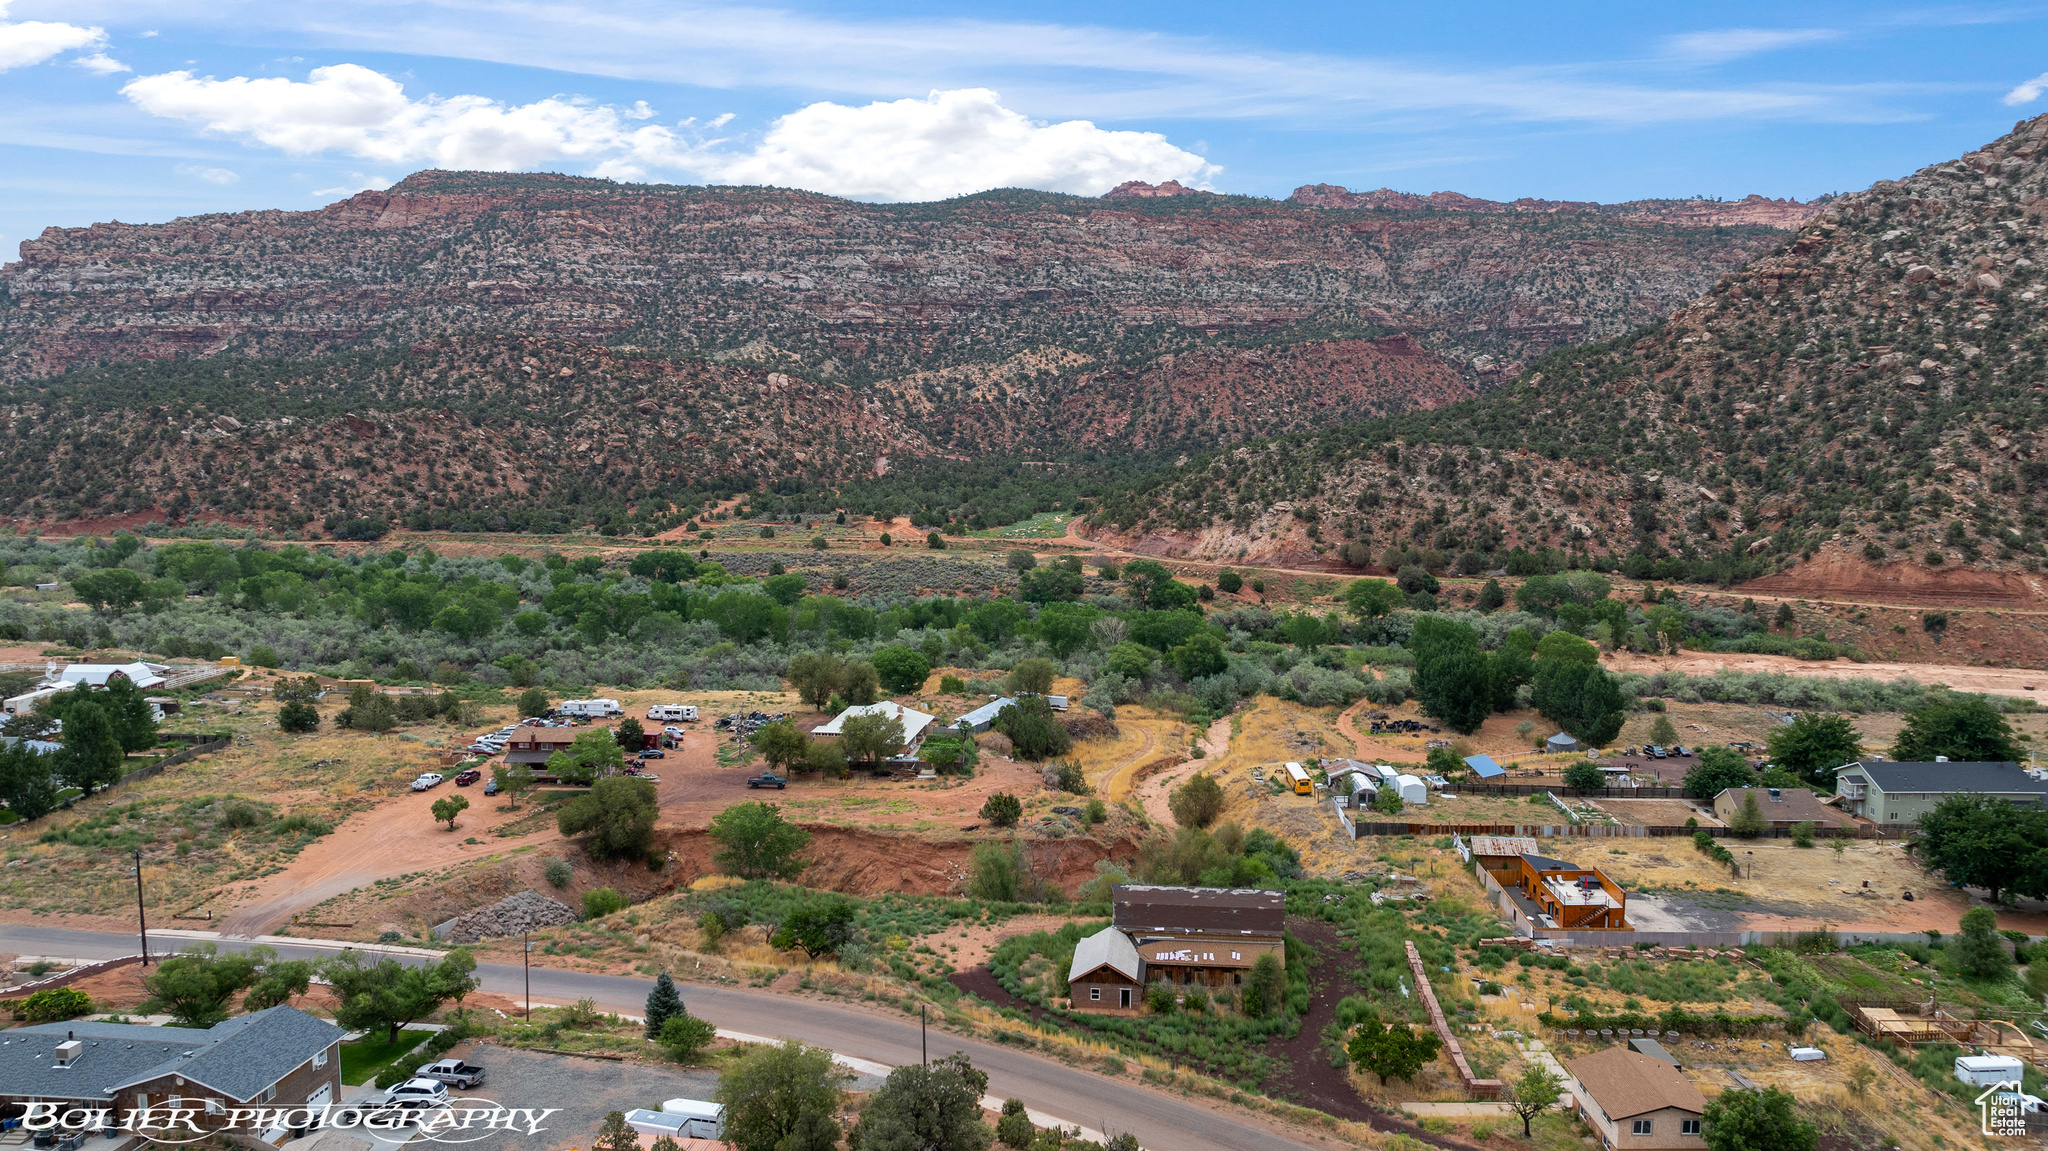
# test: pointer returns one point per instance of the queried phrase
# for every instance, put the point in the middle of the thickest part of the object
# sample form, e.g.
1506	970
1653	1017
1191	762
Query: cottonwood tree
1395	1052
387	995
195	985
1766	1120
926	1108
616	820
757	843
1197	802
1532	1094
1984	841
780	743
1814	745
783	1097
1963	728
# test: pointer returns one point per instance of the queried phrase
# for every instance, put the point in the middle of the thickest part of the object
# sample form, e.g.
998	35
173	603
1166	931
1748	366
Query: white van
673	711
590	708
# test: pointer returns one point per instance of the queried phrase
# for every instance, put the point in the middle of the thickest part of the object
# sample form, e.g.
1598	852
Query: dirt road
395	837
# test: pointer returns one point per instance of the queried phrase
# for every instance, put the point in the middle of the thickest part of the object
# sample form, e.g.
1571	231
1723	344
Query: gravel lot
583	1090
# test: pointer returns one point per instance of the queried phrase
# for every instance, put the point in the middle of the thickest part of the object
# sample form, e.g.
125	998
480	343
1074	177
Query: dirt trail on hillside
391	839
1993	680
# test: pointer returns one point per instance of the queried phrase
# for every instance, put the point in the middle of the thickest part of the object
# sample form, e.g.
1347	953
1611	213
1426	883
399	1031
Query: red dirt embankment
1838	575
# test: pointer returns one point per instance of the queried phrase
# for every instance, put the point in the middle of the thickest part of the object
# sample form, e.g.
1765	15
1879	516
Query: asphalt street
1159	1120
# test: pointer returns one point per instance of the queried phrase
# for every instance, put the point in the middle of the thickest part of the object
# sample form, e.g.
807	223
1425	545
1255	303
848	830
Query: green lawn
1044	525
363	1059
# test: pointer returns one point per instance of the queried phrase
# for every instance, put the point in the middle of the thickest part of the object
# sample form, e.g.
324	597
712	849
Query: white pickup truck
453	1072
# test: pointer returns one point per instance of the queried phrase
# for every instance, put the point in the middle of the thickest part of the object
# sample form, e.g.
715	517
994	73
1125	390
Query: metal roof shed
1484	767
1561	742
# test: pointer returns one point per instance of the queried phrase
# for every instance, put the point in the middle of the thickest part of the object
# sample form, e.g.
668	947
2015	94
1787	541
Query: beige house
1637	1102
1782	806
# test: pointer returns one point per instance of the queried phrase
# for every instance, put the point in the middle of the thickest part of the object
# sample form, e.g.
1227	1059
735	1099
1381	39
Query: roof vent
67	1052
1776	795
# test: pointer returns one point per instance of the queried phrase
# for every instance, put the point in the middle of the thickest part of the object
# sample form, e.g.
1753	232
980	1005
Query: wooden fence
217	741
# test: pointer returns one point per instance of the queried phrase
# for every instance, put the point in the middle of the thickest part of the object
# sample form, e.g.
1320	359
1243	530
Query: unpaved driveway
395	837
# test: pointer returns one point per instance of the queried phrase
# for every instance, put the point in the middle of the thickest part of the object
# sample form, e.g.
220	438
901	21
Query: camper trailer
669	712
590	708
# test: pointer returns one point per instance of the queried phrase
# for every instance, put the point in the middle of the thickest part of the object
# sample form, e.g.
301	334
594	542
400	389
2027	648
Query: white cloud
1059	71
357	183
353	110
210	175
1724	44
948	144
2028	92
25	42
101	64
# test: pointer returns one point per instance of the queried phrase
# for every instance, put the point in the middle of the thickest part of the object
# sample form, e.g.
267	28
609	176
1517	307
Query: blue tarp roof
1484	767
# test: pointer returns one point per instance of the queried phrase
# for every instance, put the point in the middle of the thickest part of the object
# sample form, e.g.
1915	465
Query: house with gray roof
1894	792
1107	973
280	1057
978	720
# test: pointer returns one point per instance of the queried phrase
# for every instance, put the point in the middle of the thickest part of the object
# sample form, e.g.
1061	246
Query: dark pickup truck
767	779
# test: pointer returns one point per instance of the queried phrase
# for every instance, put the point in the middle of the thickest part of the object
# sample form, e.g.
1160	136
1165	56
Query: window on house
319	1061
267	1094
1642	1127
1892	818
1095	993
1688	1126
216	1107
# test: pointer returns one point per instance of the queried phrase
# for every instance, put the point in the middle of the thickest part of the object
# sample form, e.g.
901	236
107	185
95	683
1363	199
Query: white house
97	674
915	723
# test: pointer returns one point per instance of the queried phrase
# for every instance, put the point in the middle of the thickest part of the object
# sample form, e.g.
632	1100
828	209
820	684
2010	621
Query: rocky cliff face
835	290
1751	210
1869	393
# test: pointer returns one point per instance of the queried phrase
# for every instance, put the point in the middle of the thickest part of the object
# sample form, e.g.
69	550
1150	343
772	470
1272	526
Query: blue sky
142	110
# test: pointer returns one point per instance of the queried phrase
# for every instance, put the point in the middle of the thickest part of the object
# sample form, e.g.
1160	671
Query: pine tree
1749	822
663	1003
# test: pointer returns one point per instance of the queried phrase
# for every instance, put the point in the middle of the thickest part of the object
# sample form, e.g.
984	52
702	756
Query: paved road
1157	1119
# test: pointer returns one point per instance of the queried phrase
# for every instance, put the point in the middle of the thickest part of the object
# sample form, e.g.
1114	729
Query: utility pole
526	954
141	924
924	1050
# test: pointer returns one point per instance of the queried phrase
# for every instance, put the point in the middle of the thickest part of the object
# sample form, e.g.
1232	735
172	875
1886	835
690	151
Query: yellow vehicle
1303	785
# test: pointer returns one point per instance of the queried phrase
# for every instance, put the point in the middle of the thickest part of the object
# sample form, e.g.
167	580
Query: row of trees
99	727
1460	684
197	986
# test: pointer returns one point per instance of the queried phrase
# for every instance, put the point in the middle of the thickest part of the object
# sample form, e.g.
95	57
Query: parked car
490	787
427	782
454	1073
417	1090
464	779
654	753
767	779
1684	752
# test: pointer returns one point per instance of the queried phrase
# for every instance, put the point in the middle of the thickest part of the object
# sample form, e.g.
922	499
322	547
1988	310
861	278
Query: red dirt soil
1308	1080
1838	574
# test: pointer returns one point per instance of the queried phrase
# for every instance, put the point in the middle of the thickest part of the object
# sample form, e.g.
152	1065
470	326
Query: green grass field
363	1059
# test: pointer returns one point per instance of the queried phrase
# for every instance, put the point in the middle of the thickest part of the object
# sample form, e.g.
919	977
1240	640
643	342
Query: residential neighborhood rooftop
1949	776
1627	1083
